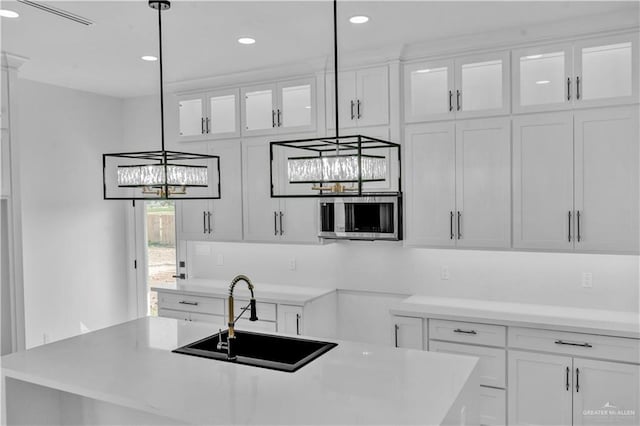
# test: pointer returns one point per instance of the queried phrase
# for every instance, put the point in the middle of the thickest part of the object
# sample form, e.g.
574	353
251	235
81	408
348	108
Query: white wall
73	240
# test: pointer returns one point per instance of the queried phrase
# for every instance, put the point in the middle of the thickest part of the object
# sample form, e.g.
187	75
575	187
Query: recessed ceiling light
6	13
423	71
308	107
534	56
359	19
543	82
246	40
149	58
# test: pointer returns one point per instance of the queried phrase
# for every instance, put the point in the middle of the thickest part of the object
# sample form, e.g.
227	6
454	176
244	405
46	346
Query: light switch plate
444	273
219	259
587	280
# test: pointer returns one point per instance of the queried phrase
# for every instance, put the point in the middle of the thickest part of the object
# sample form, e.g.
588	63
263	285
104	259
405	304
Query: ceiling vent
58	12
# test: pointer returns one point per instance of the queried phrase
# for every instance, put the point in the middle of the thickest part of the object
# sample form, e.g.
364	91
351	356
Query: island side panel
320	316
465	411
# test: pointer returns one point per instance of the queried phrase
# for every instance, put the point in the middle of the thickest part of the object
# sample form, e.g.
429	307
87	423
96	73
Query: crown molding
12	61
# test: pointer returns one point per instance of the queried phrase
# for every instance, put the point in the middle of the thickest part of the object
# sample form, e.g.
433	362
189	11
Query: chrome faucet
229	344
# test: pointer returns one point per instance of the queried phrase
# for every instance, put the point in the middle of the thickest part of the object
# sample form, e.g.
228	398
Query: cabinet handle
358	108
207	123
353	115
273	118
279	118
209	221
202	125
577	380
281	227
395	330
184	302
569	219
458	103
179	276
578	87
275	223
583	345
204	222
568	88
567	380
298	324
578	224
459	230
451	225
459	330
450	100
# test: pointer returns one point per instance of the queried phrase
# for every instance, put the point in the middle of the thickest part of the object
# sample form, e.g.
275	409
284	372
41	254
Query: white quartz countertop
612	323
288	294
132	365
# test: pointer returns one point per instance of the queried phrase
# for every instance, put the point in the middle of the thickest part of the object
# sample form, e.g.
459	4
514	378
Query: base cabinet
407	332
493	406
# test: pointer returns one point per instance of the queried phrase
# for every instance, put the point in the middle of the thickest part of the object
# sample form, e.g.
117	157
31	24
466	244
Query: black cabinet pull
458	103
273	118
583	345
209	221
395	329
184	302
359	115
281	227
568	88
450	100
578	87
202	125
569	227
179	276
207	122
451	225
353	115
275	223
459	230
204	222
298	324
567	379
279	118
459	330
577	380
578	224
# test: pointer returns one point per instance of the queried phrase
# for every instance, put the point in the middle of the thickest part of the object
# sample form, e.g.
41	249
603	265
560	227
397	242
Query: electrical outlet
587	280
292	264
444	273
45	338
219	259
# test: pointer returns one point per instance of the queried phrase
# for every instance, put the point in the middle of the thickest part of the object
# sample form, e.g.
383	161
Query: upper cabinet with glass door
474	86
595	72
213	115
279	107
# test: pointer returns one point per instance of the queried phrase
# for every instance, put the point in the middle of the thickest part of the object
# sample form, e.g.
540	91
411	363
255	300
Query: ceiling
200	36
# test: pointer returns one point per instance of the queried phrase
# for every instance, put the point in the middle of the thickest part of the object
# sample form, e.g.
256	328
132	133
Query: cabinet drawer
168	313
211	319
205	305
265	311
467	332
576	344
493	407
492	360
259	326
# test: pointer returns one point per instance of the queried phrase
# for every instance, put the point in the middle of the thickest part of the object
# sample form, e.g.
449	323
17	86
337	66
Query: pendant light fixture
339	165
153	175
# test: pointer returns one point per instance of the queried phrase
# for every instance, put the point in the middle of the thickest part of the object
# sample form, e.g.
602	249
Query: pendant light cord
161	80
335	64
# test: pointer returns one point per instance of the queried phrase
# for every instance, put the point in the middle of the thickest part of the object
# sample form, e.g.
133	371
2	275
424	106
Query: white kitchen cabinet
272	219
408	332
542	78
288	106
607	180
605	393
458	184
540	389
543	181
217	220
493	407
290	319
210	115
364	98
465	87
217	320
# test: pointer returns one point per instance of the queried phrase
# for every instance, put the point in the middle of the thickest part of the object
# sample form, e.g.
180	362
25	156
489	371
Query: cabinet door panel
297	105
540	78
483	183
191	112
428	93
347	94
606	179
483	83
542	181
373	94
538	393
430	177
224	114
605	393
259	104
407	332
608	71
226	217
260	210
300	220
290	319
493	407
192	219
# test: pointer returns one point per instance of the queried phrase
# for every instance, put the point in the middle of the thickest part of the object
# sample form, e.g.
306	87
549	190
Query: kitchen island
127	374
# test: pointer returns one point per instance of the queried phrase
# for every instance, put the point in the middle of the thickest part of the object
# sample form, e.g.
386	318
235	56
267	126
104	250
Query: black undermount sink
260	350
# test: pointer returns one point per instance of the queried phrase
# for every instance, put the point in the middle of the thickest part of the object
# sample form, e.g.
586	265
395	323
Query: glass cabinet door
482	85
191	117
542	78
297	107
606	71
223	113
259	109
429	91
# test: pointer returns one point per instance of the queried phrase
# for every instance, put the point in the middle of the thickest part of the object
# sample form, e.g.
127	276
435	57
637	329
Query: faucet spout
232	319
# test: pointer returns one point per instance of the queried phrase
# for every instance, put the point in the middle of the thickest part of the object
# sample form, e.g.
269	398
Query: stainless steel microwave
361	218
